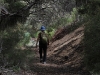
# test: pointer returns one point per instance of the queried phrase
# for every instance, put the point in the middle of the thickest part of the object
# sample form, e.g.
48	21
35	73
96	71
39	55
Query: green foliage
92	35
51	32
1	2
67	19
60	22
72	17
90	7
92	43
15	5
18	5
16	68
12	44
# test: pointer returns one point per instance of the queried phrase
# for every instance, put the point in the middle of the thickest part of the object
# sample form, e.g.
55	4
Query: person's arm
47	39
37	39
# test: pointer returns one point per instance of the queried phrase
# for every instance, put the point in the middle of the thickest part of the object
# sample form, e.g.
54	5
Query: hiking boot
44	62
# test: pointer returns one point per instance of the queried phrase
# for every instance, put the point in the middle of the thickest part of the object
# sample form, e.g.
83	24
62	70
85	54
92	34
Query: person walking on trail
43	43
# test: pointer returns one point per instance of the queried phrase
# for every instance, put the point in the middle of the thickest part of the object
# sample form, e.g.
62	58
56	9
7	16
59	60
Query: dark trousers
43	49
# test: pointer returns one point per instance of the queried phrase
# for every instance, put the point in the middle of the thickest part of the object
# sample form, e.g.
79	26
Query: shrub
12	53
92	43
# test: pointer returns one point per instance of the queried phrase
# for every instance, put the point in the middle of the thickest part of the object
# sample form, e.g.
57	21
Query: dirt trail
64	56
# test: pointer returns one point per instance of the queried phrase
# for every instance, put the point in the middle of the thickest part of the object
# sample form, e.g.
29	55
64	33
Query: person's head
42	28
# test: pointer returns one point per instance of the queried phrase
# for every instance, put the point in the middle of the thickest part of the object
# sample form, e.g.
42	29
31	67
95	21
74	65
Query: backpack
44	38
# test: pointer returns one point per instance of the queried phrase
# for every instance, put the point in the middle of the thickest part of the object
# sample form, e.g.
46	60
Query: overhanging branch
10	19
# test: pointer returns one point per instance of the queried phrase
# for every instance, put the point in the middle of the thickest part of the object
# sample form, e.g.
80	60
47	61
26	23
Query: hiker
43	43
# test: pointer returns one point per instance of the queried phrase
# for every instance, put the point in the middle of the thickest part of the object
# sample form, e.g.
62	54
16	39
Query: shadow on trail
47	69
